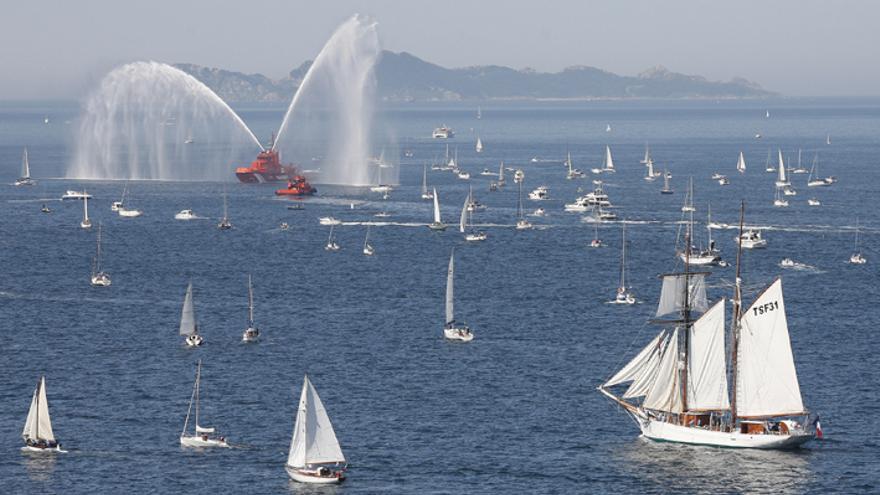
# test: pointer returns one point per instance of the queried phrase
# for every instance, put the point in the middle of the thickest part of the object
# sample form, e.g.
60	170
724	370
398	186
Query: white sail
647	157
650	165
38	426
707	369
425	180
643	382
665	392
609	162
568	162
672	293
450	288
634	368
188	324
767	383
501	172
25	166
436	207
741	163
462	220
314	441
780	169
479	146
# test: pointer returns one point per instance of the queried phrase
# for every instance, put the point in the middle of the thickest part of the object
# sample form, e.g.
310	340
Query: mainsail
741	163
425	180
314	441
25	166
450	283
609	162
707	369
462	220
38	426
781	177
188	324
672	293
436	207
767	383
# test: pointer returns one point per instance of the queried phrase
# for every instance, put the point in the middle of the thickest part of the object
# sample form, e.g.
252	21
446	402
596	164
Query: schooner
678	384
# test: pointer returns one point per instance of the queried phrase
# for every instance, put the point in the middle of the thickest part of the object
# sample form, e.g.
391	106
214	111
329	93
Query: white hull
36	450
437	226
476	237
668	432
309	476
193	341
250	335
101	281
332	246
458	334
523	225
129	213
199	442
185	215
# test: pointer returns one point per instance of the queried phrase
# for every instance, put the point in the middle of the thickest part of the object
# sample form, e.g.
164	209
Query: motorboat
540	193
751	239
814	202
70	194
443	132
185	215
329	221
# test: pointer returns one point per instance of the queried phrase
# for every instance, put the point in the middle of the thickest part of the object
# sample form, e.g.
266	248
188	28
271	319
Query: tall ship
268	168
678	384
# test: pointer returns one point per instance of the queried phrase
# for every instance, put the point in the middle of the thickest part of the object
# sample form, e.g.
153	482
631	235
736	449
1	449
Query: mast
198	379
98	252
737	305
623	256
37	418
251	302
685	316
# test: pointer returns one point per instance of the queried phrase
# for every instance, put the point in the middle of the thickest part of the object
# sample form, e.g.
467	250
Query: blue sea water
514	411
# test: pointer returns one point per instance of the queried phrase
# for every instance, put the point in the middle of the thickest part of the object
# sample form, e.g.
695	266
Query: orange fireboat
297	186
268	168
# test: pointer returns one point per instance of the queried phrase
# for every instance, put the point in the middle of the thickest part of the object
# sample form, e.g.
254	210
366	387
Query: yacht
443	132
539	193
70	194
539	212
814	202
315	455
185	215
751	239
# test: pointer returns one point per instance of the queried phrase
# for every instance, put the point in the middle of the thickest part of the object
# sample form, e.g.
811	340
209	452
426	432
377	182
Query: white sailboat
813	180
521	222
650	175
315	455
624	295
500	181
426	194
666	187
857	258
86	223
828	139
799	169
682	374
251	333
693	255
768	167
121	210
688	206
331	245
202	436
479	113
368	248
454	330
608	166
37	434
437	224
573	173
596	242
781	173
225	224
479	146
465	224
188	325
779	200
100	278
647	157
741	163
25	179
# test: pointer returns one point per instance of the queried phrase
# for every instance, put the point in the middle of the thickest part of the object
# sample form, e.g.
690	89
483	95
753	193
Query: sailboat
857	258
650	175
623	296
188	325
573	173
454	330
479	146
688	206
251	333
100	278
666	188
781	173
693	255
768	167
37	434
315	455
799	169
828	139
521	222
122	210
86	223
596	242
779	200
368	248
767	114
25	179
681	375
426	194
813	180
609	163
741	163
647	157
465	224
500	181
201	436
331	242
225	224
437	224
607	127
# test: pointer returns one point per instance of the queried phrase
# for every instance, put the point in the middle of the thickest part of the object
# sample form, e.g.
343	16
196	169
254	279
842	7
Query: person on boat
204	437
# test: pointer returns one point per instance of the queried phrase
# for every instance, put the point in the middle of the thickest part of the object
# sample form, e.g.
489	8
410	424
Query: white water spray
151	121
329	120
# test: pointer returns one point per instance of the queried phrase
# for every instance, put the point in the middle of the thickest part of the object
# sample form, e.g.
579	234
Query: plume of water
151	121
329	120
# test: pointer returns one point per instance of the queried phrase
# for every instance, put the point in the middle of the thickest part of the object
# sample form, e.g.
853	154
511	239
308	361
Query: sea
514	411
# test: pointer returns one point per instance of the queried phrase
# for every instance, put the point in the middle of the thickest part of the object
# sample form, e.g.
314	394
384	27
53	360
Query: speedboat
284	226
461	174
70	194
382	214
539	213
596	243
788	263
443	132
857	259
751	239
724	181
124	212
717	176
814	202
328	221
478	236
488	173
523	224
540	193
185	215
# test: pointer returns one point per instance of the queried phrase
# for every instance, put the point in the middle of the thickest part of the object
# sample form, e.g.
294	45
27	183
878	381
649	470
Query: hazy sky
59	49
